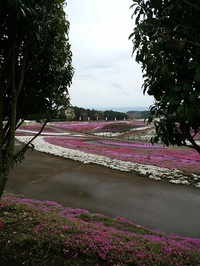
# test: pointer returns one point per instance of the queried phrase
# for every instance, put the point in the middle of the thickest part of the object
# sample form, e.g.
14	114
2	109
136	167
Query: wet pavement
157	205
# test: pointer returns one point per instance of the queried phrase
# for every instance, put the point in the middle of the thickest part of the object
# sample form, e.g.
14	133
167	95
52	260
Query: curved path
156	205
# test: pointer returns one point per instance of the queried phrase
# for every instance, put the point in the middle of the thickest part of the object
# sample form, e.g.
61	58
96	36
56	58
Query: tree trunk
194	144
11	133
16	86
1	137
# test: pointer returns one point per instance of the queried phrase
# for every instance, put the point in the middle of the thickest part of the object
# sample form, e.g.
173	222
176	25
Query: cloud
105	73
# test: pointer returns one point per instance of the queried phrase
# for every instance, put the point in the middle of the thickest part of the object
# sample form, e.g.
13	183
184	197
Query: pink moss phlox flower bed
76	233
152	161
143	153
85	127
81	127
36	128
130	144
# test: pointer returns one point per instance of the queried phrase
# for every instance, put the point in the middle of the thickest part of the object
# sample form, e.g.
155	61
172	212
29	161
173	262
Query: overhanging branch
192	5
27	145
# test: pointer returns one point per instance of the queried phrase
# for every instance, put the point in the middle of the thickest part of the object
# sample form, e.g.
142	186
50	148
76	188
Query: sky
106	74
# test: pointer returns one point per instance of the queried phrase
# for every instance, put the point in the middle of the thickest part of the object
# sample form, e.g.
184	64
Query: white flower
176	176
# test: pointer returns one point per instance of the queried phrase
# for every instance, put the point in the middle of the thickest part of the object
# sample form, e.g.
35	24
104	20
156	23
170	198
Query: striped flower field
119	150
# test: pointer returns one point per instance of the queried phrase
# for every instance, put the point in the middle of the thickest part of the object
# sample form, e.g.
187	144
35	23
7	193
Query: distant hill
124	109
137	114
92	114
108	114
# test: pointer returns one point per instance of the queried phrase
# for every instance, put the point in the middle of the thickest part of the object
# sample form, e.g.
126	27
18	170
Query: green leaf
197	75
193	64
23	12
165	72
168	52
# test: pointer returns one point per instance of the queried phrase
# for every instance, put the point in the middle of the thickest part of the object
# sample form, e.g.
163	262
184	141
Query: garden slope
157	205
45	233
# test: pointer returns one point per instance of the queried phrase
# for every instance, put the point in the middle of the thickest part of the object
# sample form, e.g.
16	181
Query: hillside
34	232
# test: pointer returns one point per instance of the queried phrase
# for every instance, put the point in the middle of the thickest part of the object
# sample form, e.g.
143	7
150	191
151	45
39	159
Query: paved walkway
155	204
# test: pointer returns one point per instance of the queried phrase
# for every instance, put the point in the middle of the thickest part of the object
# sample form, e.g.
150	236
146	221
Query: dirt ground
155	204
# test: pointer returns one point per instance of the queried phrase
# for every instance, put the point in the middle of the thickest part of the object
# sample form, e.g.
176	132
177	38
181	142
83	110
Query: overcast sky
106	74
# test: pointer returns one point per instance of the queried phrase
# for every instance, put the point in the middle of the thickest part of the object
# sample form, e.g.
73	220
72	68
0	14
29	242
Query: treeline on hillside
137	114
75	113
84	114
79	113
88	114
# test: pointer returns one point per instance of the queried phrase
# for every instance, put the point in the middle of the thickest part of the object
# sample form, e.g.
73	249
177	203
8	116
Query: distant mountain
137	114
124	109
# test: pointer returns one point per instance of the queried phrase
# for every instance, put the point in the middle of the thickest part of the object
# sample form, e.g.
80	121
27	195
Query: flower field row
143	153
79	235
126	151
83	151
100	126
35	128
86	127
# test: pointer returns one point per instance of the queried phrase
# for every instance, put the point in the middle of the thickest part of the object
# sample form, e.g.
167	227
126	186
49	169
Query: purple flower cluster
131	145
144	153
114	241
82	127
85	127
36	128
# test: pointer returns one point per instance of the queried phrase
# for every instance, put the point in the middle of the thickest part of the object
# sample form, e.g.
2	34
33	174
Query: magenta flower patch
75	233
143	153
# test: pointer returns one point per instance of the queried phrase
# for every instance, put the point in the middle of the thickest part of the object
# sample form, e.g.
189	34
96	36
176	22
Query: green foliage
94	114
40	33
137	114
166	41
35	68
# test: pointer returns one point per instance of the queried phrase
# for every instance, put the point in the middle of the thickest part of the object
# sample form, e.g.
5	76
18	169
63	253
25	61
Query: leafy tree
112	115
93	114
35	69
137	114
69	114
166	39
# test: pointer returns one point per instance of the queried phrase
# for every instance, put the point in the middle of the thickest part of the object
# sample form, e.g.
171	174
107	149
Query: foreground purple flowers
77	233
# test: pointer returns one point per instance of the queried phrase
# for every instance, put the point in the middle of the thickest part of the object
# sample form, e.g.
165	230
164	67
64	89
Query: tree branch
192	5
19	155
